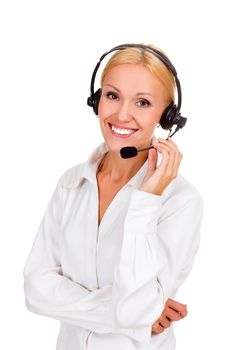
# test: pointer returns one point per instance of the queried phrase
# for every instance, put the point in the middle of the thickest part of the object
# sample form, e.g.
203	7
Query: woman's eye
111	95
144	103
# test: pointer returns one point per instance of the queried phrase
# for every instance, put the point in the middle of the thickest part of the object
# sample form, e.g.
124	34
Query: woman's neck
118	169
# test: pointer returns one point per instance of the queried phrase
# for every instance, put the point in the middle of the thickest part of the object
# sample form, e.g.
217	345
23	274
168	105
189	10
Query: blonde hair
136	55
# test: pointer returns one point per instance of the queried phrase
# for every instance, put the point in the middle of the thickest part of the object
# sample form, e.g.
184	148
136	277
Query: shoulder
72	176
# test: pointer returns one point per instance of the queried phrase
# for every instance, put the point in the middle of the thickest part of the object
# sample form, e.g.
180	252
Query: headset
171	115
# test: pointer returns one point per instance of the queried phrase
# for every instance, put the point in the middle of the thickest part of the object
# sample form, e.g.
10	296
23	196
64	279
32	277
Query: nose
123	112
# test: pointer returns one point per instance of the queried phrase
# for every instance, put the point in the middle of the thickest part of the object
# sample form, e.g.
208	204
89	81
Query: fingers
164	321
174	304
158	178
173	311
165	153
161	324
171	156
178	307
157	328
152	156
172	314
179	155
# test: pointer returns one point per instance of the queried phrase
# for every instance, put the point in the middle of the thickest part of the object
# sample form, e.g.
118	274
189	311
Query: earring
158	125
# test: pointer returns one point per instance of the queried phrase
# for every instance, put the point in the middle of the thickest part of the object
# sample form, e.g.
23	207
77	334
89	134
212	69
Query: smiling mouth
121	132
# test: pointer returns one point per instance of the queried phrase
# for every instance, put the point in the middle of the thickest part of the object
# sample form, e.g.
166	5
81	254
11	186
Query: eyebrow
139	93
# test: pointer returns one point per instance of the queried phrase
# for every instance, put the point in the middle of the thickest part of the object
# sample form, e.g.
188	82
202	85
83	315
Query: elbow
31	296
28	293
30	306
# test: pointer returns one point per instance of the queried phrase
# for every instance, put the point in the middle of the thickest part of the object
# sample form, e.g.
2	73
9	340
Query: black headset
171	115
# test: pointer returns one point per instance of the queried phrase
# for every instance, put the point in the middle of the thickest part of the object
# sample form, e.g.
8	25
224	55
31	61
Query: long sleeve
158	249
157	252
48	292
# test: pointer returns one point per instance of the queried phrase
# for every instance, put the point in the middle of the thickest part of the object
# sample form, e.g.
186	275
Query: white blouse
107	285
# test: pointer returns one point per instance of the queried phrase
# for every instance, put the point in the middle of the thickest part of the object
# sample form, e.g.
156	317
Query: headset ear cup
168	116
96	100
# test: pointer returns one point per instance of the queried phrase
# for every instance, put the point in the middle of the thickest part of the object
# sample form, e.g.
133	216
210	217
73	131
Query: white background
48	52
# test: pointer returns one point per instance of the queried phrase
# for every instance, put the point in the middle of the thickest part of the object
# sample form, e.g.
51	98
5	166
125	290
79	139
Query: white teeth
122	131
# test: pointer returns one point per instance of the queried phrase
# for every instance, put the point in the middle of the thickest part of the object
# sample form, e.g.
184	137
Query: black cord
177	128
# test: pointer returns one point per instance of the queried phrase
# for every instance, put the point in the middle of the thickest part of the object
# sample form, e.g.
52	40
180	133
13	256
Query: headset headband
157	53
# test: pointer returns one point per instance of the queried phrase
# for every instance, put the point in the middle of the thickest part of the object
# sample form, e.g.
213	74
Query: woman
119	236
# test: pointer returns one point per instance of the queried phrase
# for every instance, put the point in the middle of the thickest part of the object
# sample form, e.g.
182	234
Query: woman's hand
157	179
173	311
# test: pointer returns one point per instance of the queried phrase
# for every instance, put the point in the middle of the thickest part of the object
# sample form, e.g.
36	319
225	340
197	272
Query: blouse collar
88	169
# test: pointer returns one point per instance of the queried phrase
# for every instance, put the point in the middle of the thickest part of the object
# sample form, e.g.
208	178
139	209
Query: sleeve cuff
142	335
143	211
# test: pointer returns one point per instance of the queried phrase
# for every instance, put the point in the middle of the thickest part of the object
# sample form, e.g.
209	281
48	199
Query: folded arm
152	266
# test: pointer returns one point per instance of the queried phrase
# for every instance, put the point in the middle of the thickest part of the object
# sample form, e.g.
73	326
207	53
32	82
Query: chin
115	146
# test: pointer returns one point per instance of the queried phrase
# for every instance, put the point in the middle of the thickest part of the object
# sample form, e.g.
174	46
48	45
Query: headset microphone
131	151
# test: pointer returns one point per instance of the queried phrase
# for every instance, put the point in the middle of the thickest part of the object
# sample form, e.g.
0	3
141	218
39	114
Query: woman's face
132	98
